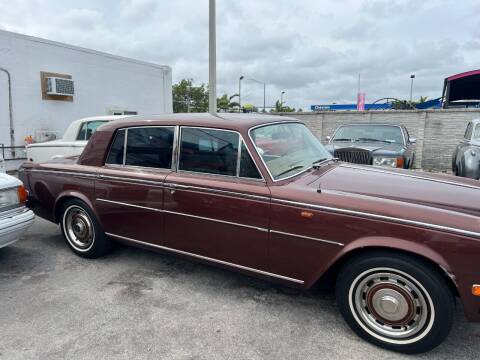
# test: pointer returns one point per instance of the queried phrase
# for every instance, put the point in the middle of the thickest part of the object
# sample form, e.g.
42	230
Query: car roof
229	121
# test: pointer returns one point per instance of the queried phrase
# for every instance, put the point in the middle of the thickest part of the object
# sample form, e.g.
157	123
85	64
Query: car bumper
13	224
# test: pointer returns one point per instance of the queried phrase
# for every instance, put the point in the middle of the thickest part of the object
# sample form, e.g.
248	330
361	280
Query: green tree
189	98
279	107
249	108
225	103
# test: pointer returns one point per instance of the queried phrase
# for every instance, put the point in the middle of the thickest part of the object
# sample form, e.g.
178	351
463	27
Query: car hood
397	194
7	181
375	147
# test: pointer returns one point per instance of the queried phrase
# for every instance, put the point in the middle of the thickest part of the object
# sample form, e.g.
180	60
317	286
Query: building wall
438	132
102	82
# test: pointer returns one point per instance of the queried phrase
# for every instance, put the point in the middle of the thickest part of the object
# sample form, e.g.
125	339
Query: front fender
382	242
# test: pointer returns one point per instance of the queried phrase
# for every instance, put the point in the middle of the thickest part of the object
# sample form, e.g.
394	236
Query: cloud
313	50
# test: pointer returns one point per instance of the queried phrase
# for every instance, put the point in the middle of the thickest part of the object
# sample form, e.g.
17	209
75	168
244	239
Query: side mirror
328	138
412	140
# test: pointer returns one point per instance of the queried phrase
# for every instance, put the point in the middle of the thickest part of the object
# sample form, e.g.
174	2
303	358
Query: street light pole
264	89
411	86
240	93
281	100
212	59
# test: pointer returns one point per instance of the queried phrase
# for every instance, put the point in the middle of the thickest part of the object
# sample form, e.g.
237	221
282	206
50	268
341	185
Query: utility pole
10	111
411	86
281	100
212	59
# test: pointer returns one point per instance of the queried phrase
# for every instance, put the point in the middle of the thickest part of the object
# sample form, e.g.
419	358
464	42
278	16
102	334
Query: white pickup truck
73	141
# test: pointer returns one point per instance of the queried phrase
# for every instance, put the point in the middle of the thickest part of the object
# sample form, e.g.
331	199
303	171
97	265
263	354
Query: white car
73	141
15	217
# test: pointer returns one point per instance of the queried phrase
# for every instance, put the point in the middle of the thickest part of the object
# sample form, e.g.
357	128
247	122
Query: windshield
374	133
288	148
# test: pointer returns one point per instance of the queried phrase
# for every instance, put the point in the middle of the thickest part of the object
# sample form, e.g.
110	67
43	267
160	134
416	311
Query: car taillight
22	194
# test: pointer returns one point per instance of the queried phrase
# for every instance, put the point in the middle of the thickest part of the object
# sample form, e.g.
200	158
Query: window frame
239	154
468	132
125	142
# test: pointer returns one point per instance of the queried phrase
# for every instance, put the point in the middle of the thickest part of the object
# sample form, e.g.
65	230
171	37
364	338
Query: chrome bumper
13	224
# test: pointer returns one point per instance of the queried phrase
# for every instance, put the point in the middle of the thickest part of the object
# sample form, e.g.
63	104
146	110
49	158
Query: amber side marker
476	290
306	214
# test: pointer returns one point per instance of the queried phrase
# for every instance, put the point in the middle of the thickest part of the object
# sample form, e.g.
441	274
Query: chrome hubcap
391	304
78	227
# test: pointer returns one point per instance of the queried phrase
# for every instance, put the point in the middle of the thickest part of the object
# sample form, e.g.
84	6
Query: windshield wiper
374	140
343	139
316	163
289	169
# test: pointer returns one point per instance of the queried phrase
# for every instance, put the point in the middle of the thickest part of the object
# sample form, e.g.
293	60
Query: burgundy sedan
261	195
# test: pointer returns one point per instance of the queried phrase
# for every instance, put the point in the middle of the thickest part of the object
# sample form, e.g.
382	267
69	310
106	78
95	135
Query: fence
11	153
438	132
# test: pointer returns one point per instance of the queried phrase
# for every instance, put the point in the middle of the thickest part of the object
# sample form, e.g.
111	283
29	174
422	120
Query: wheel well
328	279
59	204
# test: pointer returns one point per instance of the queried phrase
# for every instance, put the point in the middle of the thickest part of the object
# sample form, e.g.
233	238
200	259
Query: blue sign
334	107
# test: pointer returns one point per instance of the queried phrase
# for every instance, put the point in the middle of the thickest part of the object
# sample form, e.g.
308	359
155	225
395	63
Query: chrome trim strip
73	173
216	191
261	272
131	180
182	214
379	217
307	237
5	214
127	204
216	220
373	169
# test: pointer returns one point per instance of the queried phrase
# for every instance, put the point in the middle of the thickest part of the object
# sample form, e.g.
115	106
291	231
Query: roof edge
86	50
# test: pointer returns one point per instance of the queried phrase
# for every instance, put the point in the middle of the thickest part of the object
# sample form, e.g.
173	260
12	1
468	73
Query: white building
102	84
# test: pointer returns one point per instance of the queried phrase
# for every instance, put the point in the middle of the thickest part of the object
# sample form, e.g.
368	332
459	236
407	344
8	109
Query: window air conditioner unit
59	86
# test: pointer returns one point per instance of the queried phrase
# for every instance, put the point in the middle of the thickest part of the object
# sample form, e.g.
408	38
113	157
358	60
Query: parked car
373	144
73	141
466	158
15	218
260	195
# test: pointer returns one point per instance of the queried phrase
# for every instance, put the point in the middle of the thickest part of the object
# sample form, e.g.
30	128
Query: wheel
395	301
81	230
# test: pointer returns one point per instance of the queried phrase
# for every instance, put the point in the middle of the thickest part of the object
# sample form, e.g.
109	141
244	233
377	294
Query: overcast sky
312	49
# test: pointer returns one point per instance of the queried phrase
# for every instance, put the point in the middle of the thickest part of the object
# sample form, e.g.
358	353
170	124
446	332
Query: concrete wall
102	82
437	131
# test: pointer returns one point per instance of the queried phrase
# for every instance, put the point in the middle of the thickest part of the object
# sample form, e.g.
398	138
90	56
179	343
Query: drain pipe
10	111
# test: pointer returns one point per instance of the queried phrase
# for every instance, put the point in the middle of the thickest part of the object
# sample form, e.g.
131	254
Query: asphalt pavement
136	304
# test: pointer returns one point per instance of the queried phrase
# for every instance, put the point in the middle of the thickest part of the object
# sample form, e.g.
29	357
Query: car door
129	191
217	204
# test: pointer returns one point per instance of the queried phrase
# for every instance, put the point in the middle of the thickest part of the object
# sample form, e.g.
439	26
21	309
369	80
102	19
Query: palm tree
225	102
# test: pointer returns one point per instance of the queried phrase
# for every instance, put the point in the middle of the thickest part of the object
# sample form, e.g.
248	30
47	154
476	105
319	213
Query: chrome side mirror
412	140
328	138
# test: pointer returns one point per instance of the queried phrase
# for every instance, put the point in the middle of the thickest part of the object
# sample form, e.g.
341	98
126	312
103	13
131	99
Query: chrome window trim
374	169
213	260
203	173
307	237
260	156
378	217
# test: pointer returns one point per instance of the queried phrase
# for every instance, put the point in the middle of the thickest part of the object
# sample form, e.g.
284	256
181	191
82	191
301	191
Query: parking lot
139	304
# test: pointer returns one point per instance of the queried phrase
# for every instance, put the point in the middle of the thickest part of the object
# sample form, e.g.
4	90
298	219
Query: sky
311	49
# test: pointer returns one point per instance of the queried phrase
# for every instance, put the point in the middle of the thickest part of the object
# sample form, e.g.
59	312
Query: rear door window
115	155
150	147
